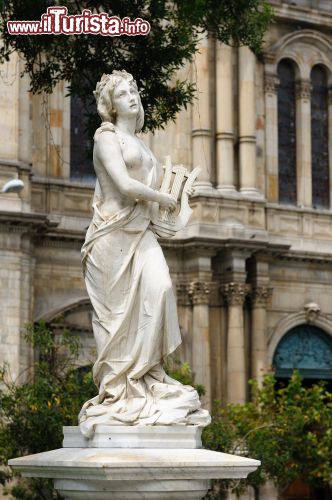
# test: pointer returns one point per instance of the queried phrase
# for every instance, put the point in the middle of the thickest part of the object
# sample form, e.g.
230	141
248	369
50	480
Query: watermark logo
56	21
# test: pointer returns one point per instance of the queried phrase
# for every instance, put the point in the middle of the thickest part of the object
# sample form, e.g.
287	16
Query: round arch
307	348
292	320
306	48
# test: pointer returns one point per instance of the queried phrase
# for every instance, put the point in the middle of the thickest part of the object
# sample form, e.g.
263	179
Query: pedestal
176	473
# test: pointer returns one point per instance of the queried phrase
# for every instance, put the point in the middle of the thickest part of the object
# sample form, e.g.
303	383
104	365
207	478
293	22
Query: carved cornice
234	294
260	295
20	222
303	90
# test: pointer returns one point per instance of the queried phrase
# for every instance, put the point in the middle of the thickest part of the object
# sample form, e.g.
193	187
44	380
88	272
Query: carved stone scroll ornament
271	84
234	294
312	311
303	90
261	295
199	291
178	182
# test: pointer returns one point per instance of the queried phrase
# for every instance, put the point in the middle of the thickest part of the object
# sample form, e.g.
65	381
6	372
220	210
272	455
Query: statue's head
104	93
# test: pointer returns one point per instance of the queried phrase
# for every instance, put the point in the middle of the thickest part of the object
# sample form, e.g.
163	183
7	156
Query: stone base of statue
131	463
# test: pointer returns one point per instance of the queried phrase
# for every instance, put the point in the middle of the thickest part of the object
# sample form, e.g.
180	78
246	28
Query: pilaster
247	123
224	120
260	297
234	295
201	118
199	292
271	135
303	143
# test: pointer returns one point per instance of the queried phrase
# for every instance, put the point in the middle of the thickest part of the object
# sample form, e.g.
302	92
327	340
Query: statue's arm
109	154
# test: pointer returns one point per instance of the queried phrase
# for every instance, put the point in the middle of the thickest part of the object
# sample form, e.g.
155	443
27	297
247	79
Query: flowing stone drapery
135	324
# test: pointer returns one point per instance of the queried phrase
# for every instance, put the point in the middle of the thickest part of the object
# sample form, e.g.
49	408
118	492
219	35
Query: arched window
307	348
286	133
81	164
319	138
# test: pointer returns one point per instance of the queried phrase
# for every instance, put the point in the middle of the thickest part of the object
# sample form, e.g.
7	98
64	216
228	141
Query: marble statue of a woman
135	321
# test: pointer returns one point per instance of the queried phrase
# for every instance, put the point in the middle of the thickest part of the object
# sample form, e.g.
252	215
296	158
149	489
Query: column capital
182	294
329	96
303	89
199	292
234	294
271	84
260	295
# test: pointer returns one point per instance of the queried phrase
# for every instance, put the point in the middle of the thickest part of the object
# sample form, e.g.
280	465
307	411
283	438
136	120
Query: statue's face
125	99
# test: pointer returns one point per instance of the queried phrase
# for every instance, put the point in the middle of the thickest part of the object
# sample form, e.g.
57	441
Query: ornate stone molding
260	295
303	89
234	294
312	311
271	84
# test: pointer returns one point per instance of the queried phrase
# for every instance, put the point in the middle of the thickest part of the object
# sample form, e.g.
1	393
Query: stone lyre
177	181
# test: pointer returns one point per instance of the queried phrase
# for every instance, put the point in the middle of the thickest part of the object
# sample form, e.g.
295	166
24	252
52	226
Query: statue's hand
190	191
167	201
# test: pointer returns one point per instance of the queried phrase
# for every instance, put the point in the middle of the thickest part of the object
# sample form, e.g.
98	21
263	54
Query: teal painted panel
307	348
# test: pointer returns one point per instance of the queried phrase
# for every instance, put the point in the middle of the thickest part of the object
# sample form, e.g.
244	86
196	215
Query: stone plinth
177	473
122	436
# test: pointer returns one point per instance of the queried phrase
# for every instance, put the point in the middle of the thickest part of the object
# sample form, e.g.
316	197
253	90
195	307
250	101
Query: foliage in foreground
288	428
32	414
176	27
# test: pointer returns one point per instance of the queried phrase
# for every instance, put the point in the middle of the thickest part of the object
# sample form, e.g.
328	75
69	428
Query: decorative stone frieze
234	294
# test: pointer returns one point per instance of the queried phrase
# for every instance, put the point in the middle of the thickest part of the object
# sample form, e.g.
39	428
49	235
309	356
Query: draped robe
135	325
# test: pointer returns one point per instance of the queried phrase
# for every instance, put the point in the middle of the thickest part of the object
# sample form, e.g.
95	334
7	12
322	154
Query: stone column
303	143
16	296
260	296
184	305
247	123
199	293
330	140
224	120
55	126
201	119
271	135
234	294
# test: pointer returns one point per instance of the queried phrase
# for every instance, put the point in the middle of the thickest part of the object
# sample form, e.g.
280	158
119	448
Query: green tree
289	429
176	27
50	397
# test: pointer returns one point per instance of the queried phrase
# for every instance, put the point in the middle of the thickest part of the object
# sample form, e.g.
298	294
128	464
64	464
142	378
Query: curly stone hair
104	92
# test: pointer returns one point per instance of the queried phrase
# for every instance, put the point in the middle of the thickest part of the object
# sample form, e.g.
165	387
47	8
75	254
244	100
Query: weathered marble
125	436
122	474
